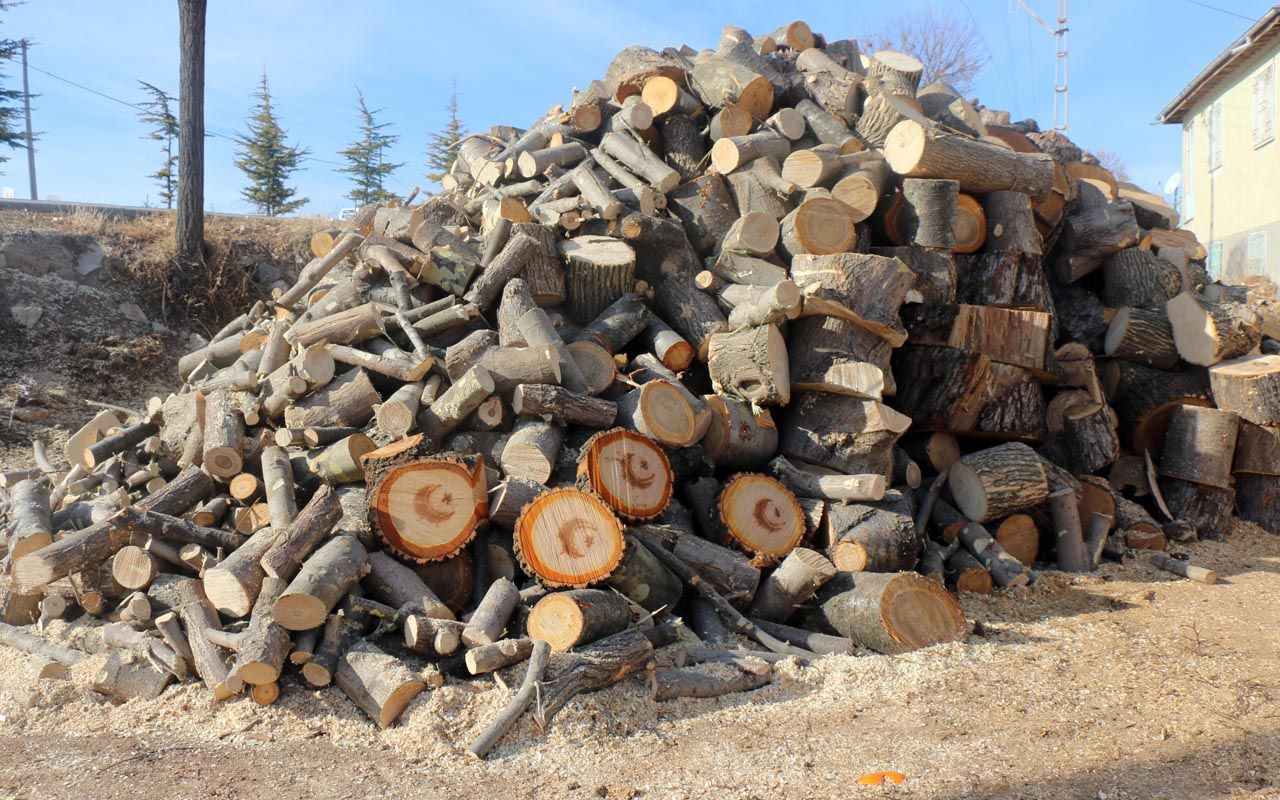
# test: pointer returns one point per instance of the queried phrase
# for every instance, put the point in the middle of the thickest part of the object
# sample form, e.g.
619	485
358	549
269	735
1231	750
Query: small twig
113	407
490	736
930	499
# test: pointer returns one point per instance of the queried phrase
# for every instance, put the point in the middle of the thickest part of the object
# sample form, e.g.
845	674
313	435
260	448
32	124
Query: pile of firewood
769	339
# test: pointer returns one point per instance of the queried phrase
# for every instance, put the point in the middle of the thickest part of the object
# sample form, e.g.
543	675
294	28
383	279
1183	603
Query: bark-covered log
1207	507
1143	398
750	365
1257	449
760	515
1199	445
427	509
914	151
691	312
992	483
872	537
889	612
846	434
1207	332
567	537
628	471
795	580
322	581
1249	387
566	620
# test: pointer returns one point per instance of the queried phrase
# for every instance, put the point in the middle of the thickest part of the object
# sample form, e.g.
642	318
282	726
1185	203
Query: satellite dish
1171	185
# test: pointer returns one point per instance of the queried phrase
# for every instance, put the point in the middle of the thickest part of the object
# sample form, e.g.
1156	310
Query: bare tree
951	48
1114	163
190	224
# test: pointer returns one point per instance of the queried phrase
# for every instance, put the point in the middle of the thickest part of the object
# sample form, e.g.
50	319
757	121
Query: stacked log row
767	337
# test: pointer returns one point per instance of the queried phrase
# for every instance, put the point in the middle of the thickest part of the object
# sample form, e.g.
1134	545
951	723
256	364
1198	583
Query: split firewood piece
566	620
348	401
864	289
262	647
538	655
567	537
434	637
965	573
1182	568
890	613
718	82
400	587
823	486
628	471
379	684
872	537
751	365
867	431
1199	446
1011	225
427	509
1257	449
942	103
761	516
1142	337
998	481
562	406
491	616
1143	398
1005	335
324	579
914	151
754	306
29	513
1249	387
303	535
187	598
801	573
1209	508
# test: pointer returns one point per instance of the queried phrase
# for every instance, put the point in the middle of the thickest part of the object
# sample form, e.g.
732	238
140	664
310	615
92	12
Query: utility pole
1061	106
189	232
31	139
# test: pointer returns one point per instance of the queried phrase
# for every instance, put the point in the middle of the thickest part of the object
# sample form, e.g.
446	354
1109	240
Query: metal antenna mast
1061	98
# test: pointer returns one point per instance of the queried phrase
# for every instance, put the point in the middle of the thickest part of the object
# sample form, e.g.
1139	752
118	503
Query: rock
133	312
26	315
267	274
90	261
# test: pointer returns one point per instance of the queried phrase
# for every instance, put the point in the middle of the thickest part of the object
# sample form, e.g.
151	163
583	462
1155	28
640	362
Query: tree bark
189	235
889	613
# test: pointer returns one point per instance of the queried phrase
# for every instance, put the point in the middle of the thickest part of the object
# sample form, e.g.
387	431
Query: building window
1214	122
1264	106
1215	260
1257	264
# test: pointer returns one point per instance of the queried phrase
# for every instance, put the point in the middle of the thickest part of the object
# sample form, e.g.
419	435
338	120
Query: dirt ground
1127	683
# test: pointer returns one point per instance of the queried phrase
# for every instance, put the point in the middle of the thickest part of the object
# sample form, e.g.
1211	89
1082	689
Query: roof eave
1175	112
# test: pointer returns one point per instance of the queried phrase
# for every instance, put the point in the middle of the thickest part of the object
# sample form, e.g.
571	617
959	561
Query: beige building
1230	191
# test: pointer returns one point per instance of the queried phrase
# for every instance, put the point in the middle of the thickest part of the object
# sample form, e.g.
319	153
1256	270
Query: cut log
1207	333
861	288
535	328
398	586
750	365
1257	449
1249	387
433	637
822	486
1005	335
801	573
323	580
860	188
829	354
336	464
728	571
532	450
223	433
563	406
1143	398
1011	224
1005	569
1207	507
567	537
351	326
1182	568
733	152
598	270
1020	538
969	228
1091	236
1142	337
566	620
346	402
628	471
739	436
818	226
340	632
889	613
965	573
615	327
846	434
187	598
1258	499
427	509
462	398
927	216
489	620
593	667
914	151
761	516
872	537
719	82
643	580
1089	435
1138	278
633	66
29	513
706	208
998	481
378	683
538	655
1008	279
1069	543
672	349
262	647
1199	446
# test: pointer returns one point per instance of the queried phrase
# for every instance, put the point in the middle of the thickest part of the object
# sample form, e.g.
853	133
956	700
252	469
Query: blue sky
512	61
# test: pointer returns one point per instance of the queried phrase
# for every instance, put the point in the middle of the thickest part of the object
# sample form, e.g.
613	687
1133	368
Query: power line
1220	10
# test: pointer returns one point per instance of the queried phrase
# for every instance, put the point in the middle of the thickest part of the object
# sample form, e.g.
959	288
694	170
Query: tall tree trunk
190	224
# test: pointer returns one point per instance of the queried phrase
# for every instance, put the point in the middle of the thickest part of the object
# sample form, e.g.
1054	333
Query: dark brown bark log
873	610
1249	387
1199	445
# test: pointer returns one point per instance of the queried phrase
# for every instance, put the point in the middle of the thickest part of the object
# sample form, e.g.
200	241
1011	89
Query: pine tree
157	112
267	161
11	132
366	157
442	148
